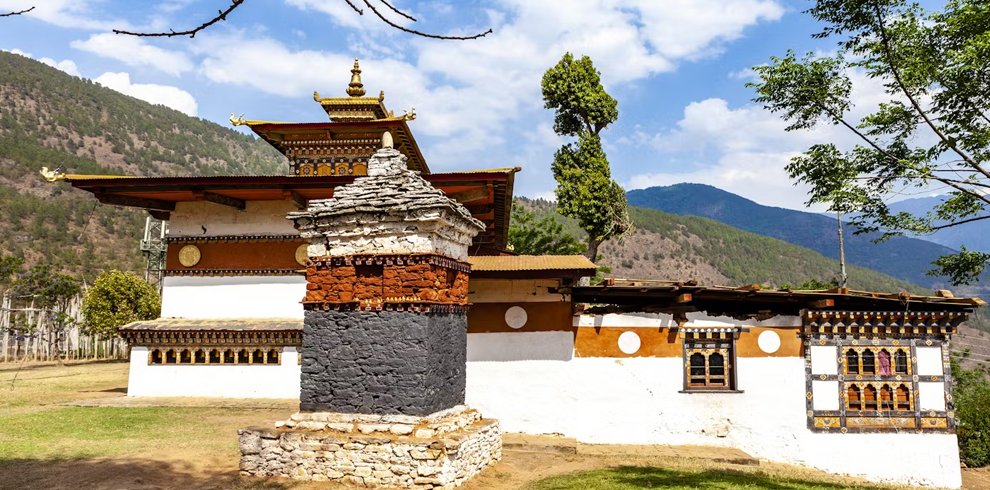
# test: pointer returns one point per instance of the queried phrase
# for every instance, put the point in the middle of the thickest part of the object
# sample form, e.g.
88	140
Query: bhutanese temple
383	296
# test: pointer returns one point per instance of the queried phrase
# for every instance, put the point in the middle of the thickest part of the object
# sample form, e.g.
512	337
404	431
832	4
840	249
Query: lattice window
214	355
884	397
709	365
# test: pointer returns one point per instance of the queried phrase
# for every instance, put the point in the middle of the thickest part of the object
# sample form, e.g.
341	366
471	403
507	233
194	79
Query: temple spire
355	88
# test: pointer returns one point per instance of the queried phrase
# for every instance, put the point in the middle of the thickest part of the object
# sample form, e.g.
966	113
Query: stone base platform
441	450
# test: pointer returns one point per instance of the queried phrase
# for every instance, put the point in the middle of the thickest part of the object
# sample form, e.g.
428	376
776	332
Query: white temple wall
233	297
206	219
213	380
638	401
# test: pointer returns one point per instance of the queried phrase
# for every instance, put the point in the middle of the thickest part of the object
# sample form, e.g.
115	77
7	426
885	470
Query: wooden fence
29	333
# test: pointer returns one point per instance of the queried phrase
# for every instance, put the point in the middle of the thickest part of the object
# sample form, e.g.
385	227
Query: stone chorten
384	341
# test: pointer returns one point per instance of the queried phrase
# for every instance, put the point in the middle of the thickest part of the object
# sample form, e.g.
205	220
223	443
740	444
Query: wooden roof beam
470	194
160	215
221	199
136	202
298	199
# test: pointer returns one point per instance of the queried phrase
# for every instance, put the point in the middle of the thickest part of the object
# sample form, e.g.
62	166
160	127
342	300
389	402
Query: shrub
972	399
116	299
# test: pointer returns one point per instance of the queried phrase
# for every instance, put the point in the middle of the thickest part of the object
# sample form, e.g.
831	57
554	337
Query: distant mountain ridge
902	257
975	235
664	246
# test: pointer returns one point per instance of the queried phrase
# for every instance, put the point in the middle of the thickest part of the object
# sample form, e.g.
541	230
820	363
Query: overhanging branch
19	12
221	15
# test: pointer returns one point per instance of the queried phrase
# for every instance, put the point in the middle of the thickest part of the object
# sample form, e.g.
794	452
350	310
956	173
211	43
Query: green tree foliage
585	189
931	132
529	235
972	400
116	299
9	265
813	285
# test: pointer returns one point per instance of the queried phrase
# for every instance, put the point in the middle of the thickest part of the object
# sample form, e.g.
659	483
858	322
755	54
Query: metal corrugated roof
505	263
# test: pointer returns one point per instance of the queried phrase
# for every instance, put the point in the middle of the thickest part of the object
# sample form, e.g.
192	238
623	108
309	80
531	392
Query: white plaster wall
824	359
695	319
638	401
826	395
501	347
233	297
257	218
929	361
224	381
931	396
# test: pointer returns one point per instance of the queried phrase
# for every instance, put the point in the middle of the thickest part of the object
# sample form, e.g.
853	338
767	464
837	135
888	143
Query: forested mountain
669	247
902	257
51	119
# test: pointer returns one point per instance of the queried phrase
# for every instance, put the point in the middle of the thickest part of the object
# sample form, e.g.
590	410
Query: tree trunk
593	248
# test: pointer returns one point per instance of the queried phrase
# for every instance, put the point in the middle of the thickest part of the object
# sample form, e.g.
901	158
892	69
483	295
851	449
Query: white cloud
744	149
165	95
75	14
134	51
67	66
486	93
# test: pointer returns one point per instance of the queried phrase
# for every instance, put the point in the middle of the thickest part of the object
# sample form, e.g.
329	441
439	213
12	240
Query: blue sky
677	67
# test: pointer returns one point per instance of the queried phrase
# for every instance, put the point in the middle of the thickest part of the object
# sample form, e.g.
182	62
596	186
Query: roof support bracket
221	199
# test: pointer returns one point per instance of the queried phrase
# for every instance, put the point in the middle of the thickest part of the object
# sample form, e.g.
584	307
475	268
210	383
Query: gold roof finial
355	88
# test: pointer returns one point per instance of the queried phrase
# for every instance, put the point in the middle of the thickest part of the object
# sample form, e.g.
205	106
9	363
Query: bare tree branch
222	15
359	11
420	33
11	14
970	220
389	5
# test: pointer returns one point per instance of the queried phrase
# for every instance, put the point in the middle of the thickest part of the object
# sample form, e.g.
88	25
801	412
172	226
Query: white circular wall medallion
769	341
629	342
189	255
302	255
515	317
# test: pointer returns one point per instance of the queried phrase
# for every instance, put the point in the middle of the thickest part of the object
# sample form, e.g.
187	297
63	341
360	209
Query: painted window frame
708	347
864	419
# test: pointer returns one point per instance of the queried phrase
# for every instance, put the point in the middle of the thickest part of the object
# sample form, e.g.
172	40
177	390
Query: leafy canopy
529	235
117	298
573	88
585	189
931	133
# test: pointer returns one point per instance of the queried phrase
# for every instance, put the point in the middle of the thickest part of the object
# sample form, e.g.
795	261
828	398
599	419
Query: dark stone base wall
383	362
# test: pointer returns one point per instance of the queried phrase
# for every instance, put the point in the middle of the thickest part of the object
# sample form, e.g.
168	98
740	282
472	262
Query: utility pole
842	252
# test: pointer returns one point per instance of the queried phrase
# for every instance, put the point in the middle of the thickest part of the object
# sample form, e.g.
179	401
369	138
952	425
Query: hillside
902	257
51	119
669	247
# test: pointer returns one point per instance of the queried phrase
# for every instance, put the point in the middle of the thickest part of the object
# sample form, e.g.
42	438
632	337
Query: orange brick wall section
410	282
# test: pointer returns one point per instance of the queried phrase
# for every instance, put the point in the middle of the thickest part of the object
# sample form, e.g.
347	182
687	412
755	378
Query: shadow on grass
137	474
635	477
31	365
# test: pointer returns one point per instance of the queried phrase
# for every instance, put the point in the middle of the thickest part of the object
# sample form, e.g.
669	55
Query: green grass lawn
635	477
